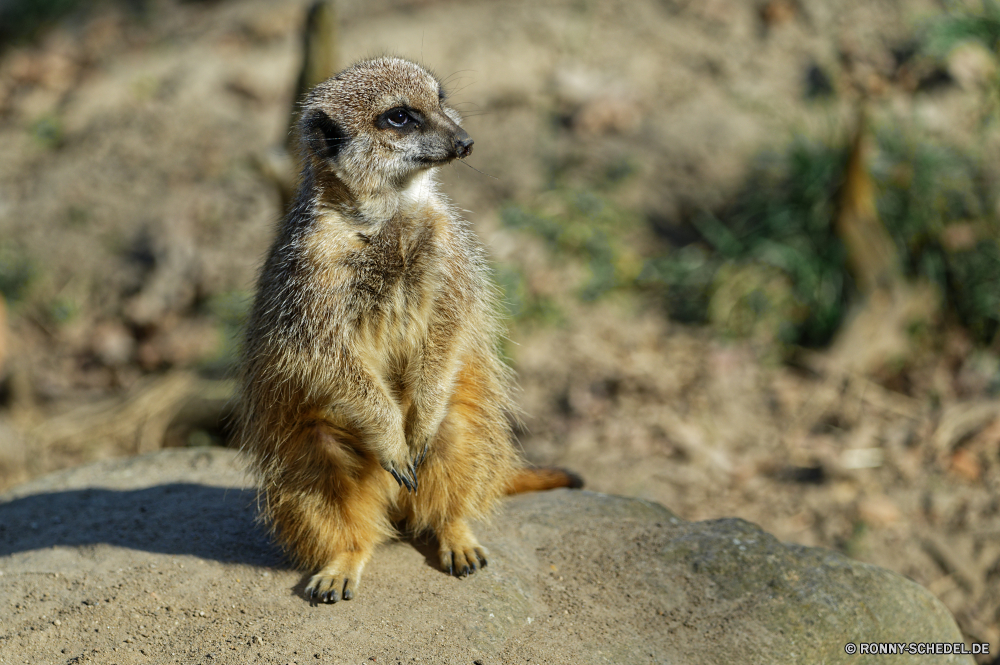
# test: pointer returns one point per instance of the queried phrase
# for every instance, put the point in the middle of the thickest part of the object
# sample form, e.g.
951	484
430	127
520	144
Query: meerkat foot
339	580
459	551
463	561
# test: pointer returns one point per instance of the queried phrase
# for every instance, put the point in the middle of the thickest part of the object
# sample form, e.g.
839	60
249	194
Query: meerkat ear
322	136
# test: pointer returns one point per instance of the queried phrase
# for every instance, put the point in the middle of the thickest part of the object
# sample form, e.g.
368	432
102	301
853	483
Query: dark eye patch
322	135
441	94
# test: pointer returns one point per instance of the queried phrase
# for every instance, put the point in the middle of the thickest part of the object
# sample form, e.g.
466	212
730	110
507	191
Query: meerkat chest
398	277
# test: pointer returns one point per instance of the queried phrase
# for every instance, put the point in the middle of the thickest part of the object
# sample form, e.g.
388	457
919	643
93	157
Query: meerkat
371	389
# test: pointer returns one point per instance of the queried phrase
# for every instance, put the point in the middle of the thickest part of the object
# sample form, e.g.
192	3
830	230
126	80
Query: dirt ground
134	212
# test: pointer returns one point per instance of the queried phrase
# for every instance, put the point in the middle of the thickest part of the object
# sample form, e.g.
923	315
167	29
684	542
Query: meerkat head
378	124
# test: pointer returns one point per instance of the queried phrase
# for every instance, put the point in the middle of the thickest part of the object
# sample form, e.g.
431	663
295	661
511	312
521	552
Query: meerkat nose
463	145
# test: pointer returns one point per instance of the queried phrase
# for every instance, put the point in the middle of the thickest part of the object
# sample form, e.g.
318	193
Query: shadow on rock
177	518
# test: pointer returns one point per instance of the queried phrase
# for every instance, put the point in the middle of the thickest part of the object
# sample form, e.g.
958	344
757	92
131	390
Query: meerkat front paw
405	473
338	580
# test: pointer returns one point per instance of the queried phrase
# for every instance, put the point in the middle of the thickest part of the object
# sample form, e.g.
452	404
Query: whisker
458	90
473	104
477	170
454	74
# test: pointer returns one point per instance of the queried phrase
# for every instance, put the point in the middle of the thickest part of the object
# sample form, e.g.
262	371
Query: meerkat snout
463	144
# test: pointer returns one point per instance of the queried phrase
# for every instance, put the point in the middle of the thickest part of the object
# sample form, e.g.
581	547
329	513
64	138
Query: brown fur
371	350
542	478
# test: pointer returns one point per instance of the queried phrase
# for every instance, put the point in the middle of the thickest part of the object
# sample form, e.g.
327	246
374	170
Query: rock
159	557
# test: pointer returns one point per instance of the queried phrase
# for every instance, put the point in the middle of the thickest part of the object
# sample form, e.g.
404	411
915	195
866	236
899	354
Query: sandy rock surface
157	559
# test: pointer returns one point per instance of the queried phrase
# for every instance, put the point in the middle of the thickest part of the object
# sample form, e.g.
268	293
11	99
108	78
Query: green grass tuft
962	25
769	264
588	226
17	274
780	219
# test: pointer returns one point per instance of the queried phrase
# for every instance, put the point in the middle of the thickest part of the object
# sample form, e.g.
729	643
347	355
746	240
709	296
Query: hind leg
459	480
351	528
467	467
334	516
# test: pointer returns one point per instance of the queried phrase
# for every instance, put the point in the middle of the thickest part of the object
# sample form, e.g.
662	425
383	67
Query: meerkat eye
401	119
398	117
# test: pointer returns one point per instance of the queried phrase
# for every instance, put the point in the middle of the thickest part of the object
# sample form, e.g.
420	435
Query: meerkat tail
535	479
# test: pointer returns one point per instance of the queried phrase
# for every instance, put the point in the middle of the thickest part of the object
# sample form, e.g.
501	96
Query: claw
395	475
406	481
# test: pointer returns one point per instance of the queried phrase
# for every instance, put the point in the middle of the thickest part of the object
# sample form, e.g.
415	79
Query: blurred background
750	250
